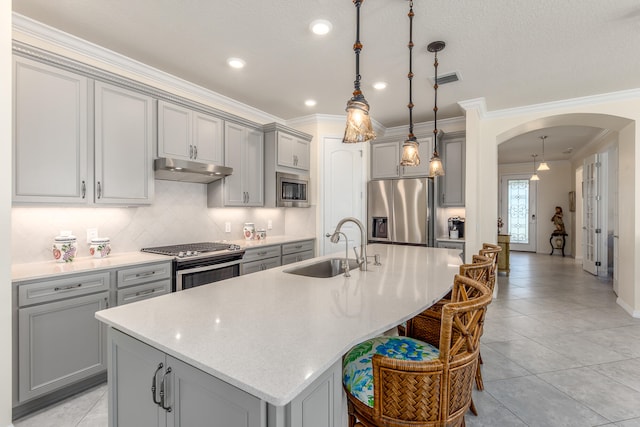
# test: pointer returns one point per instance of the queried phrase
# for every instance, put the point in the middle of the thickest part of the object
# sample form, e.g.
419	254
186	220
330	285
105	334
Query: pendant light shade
435	164
543	165
535	176
359	127
410	152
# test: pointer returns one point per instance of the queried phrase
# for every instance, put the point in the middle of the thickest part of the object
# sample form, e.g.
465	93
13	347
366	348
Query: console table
557	236
503	257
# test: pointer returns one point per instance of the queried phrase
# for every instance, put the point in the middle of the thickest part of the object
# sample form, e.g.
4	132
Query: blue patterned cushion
357	369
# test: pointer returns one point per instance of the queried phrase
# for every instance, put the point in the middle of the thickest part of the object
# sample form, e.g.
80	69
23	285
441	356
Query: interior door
590	221
344	185
519	210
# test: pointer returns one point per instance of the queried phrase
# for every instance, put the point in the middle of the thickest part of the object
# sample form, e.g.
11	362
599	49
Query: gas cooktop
191	249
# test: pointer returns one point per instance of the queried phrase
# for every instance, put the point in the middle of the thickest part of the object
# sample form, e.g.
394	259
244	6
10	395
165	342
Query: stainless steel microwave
292	190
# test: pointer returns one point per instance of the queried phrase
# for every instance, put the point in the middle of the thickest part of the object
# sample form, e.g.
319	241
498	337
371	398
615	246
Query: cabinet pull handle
84	189
261	253
162	392
66	288
154	381
106	302
190	151
145	292
99	190
298	246
248	197
146	274
195	151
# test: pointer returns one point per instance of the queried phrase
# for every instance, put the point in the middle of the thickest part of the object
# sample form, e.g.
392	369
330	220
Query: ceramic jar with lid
100	247
261	234
249	230
64	248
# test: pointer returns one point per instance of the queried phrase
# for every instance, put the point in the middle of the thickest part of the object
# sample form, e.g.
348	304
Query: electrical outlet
269	225
92	233
227	227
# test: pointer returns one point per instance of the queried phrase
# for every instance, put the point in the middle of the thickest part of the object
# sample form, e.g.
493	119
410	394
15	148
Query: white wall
618	112
553	190
5	213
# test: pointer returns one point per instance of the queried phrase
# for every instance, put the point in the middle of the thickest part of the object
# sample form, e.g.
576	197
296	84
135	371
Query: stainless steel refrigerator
400	211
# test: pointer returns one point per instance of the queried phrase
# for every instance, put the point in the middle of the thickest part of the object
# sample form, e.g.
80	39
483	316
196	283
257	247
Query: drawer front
52	290
138	293
297	257
290	248
450	245
254	254
260	265
143	274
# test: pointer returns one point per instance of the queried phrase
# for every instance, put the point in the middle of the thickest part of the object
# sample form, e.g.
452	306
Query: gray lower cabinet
297	251
150	388
261	258
143	282
59	340
451	245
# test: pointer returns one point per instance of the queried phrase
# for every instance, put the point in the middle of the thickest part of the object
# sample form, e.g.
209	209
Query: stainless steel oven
197	264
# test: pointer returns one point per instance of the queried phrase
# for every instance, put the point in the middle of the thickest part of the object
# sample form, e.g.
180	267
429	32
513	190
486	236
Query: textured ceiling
511	52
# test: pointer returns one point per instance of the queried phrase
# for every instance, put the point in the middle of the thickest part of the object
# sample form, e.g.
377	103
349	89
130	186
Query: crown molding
478	104
52	36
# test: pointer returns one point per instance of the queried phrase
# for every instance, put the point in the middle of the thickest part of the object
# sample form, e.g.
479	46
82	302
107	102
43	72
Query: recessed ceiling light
310	102
236	62
320	27
380	85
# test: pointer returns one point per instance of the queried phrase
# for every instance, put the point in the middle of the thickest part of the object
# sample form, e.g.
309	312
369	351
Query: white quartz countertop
272	333
39	270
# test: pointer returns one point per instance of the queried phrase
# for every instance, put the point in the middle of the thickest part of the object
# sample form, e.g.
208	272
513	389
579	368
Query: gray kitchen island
263	349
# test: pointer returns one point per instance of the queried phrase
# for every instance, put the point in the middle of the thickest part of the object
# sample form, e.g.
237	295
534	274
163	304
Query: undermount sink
325	268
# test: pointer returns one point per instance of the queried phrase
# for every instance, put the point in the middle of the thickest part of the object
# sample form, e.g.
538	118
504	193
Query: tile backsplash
179	214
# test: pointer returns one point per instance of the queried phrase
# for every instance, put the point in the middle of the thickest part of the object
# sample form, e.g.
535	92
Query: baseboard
628	309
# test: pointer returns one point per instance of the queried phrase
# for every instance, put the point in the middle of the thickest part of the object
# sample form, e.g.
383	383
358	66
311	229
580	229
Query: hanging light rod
359	128
543	165
435	164
535	176
410	152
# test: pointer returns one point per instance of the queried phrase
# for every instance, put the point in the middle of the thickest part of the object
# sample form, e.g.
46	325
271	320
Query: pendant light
543	165
435	164
535	176
359	128
410	154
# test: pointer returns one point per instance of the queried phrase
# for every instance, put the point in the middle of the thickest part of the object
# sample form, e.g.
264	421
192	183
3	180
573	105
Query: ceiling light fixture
310	102
410	152
435	164
320	27
543	165
359	128
236	63
535	176
380	85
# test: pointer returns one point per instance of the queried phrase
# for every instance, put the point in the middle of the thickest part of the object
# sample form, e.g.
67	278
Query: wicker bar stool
491	251
401	381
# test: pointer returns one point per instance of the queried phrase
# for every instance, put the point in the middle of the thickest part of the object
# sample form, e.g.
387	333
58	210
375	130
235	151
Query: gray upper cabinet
244	152
451	186
53	145
50	135
123	146
189	135
287	148
386	156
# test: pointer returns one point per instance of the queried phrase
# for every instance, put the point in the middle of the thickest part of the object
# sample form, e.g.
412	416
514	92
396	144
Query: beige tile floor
557	349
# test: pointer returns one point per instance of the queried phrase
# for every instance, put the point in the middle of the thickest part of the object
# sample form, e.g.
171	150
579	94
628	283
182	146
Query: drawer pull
154	381
262	253
145	292
162	391
66	288
146	274
298	246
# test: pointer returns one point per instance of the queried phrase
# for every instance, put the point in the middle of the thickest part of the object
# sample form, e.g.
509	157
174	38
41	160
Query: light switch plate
92	233
269	225
227	227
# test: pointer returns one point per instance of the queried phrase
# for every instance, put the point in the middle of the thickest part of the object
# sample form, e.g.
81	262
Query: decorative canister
249	230
261	234
100	247
64	248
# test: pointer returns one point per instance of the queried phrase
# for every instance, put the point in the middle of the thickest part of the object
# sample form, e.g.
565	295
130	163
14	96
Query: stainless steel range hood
186	171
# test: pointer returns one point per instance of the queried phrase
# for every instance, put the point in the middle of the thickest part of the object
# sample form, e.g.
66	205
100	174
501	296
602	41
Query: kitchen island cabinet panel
194	397
50	134
123	146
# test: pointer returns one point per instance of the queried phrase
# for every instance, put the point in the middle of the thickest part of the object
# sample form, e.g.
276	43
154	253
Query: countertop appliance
399	211
456	227
196	264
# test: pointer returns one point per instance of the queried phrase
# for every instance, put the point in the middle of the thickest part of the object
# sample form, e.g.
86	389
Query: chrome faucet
362	258
334	238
